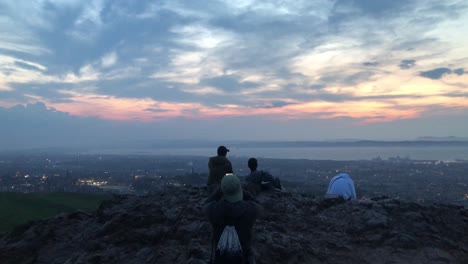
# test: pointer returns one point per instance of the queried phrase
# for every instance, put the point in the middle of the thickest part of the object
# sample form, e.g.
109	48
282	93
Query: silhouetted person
232	211
219	166
342	185
260	180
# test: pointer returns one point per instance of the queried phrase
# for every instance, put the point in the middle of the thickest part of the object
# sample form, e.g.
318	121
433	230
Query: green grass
19	208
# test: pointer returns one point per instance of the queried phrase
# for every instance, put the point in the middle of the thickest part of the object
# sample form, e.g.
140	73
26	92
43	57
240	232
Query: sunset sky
286	70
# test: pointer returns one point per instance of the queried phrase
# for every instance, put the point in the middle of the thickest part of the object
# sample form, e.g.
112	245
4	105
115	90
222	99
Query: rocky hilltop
169	227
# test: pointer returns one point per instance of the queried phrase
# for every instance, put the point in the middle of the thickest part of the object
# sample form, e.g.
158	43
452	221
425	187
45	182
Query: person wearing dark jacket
218	166
232	209
258	181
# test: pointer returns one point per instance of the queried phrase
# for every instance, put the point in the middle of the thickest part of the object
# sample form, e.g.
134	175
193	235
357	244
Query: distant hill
286	144
359	143
450	138
169	227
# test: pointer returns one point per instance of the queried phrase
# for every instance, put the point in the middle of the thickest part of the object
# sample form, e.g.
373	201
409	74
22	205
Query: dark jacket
241	214
219	166
259	177
258	181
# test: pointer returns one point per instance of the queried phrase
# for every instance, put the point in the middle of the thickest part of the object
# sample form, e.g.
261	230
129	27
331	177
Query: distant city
418	180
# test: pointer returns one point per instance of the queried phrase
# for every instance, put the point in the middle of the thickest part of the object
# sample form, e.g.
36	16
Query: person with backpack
232	219
258	181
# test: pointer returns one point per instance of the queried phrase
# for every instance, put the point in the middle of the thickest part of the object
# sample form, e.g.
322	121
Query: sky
87	72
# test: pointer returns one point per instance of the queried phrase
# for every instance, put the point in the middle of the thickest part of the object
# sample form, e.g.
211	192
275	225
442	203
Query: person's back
218	166
241	215
234	212
260	180
342	185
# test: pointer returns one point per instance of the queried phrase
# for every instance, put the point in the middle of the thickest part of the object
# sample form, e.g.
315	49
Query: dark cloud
446	9
407	64
156	110
408	45
161	90
435	74
459	71
276	104
370	63
438	73
74	45
376	8
456	94
136	87
12	96
227	83
51	91
346	79
317	86
385	96
358	77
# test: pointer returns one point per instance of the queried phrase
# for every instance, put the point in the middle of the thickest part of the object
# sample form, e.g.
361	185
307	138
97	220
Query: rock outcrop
169	227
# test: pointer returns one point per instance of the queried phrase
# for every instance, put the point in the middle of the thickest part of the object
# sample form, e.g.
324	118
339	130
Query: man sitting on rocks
342	185
258	181
234	211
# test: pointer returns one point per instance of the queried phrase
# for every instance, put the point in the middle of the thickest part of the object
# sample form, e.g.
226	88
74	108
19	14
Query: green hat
232	189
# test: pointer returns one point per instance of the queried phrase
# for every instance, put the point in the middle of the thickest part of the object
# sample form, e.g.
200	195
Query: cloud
376	8
109	60
156	110
438	73
276	104
227	83
407	64
370	63
166	60
459	71
346	78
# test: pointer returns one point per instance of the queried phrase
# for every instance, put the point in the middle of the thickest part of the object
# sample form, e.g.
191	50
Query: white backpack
229	244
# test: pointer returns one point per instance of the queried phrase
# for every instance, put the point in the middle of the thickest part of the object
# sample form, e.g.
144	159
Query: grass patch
19	208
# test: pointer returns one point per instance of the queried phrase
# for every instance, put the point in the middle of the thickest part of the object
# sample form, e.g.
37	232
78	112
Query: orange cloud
147	109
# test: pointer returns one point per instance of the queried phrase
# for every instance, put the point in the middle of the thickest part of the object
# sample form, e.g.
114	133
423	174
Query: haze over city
87	72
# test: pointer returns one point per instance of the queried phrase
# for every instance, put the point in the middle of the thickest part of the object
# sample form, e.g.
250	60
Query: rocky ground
169	227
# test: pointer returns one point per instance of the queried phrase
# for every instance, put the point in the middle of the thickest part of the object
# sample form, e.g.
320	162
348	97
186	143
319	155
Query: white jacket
343	185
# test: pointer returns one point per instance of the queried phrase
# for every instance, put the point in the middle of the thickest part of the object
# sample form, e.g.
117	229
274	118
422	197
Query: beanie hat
232	189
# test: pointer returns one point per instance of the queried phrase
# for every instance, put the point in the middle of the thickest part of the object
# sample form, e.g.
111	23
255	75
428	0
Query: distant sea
443	153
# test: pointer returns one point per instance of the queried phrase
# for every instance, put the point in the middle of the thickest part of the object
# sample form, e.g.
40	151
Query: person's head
222	151
252	163
231	188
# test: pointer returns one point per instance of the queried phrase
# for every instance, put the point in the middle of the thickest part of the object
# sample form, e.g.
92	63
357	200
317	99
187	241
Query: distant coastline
312	150
294	144
360	143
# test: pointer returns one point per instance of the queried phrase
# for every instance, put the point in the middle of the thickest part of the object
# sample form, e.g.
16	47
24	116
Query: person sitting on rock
342	185
218	166
258	181
232	211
